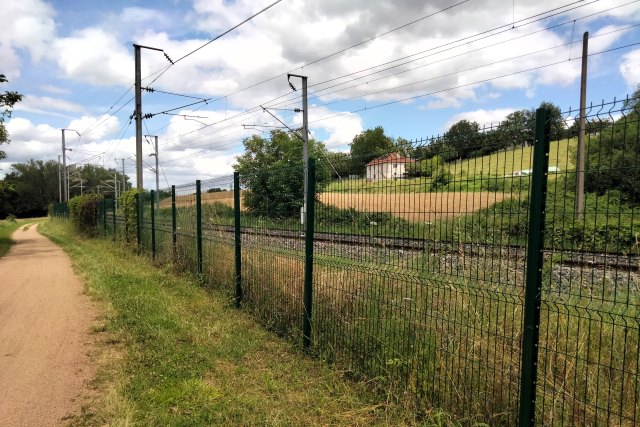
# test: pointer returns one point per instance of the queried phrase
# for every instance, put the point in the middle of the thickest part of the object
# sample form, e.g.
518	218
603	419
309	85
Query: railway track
589	259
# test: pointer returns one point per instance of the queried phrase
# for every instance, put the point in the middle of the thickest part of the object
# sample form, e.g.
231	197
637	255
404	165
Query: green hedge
83	212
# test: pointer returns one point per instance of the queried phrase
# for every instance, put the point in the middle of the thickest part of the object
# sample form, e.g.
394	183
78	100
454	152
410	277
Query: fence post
308	255
113	206
199	226
535	245
139	222
153	225
174	236
237	239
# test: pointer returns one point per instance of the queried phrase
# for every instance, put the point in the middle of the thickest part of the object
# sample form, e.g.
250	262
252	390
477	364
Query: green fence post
535	245
113	210
153	225
308	256
139	221
174	236
199	226
238	241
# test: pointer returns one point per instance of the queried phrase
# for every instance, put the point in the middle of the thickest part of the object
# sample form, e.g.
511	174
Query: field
561	155
415	207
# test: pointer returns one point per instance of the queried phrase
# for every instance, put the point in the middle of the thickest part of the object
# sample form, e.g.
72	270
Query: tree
369	145
427	167
464	138
272	171
35	185
28	189
612	158
7	100
340	164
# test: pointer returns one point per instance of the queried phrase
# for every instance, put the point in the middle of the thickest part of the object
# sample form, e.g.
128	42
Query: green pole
308	256
139	222
174	236
199	226
153	225
533	286
236	229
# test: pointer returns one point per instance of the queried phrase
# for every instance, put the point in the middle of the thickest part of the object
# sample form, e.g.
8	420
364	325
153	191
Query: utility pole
155	146
305	139
580	163
59	181
124	186
64	169
138	112
64	165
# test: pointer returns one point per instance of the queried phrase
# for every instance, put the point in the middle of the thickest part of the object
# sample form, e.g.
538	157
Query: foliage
340	164
464	138
612	158
441	179
272	170
127	210
426	168
83	212
7	100
94	178
29	188
369	145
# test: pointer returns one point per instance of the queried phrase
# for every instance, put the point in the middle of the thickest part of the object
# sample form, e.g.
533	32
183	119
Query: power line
216	38
442	90
486	34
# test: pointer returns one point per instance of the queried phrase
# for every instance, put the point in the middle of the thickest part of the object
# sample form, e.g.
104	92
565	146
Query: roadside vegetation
173	353
7	227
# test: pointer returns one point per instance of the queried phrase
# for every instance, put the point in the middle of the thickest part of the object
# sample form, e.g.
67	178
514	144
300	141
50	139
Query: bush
441	179
83	211
127	210
425	168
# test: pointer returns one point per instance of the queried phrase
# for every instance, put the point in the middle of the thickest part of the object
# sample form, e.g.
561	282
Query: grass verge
7	227
173	353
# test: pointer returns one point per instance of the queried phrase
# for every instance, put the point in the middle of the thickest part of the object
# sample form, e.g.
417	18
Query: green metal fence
458	272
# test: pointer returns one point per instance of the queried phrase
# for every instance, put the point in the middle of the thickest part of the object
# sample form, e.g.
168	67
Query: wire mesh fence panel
273	247
185	246
164	226
419	270
589	332
145	222
218	234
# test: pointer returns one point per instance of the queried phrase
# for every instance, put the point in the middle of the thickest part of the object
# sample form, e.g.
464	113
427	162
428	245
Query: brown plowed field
416	207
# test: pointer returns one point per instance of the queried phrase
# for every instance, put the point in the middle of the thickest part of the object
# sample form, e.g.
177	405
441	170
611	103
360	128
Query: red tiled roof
390	158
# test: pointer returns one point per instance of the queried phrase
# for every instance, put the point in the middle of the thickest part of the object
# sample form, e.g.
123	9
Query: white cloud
630	68
482	117
47	105
55	89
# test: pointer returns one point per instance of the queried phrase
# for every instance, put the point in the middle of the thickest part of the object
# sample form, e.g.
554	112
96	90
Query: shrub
127	210
83	211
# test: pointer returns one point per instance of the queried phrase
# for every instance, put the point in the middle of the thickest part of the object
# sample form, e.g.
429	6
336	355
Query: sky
412	67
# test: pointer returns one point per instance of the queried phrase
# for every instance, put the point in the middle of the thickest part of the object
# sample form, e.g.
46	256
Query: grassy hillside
561	154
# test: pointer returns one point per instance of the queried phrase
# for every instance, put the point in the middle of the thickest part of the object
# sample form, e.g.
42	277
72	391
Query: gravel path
44	333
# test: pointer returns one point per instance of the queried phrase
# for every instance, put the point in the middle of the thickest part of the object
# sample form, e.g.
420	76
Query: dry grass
417	207
225	197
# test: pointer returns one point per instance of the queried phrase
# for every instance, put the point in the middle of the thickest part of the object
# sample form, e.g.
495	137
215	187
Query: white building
389	166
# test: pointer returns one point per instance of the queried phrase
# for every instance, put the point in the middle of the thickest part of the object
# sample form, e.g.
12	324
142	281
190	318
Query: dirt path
44	333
